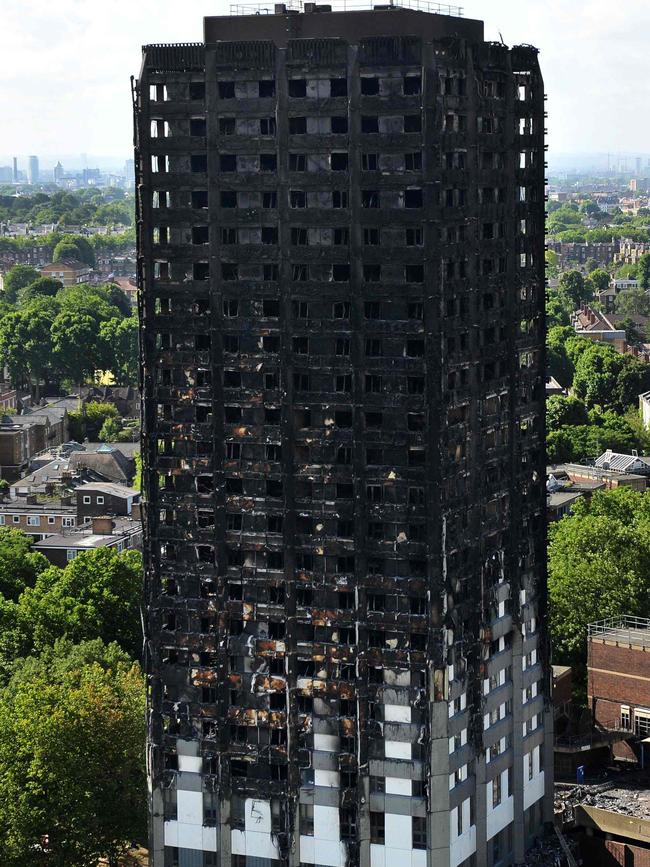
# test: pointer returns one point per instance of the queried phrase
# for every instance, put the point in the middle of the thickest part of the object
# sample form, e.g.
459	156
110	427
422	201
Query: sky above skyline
66	67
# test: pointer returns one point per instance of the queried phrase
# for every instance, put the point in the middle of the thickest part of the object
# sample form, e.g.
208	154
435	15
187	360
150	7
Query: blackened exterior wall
341	261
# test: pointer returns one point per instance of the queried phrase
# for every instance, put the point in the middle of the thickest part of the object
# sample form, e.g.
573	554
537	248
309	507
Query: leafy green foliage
632	302
599	566
596	374
19	565
560	365
88	421
643	271
43	287
72	771
74	247
26	345
561	411
577	442
16	279
98	594
84	207
121	339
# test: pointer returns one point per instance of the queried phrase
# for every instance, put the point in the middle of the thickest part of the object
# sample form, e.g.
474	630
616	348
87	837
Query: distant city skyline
73	94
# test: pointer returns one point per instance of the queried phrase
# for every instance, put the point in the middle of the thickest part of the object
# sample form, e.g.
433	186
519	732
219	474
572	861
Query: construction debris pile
633	799
549	852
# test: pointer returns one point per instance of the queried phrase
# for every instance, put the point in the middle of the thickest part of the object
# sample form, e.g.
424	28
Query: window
307	819
412	85
226	126
348	824
496	791
339	161
297	162
413	162
369	162
268	162
297	88
412	123
228	199
413	198
338	87
419	832
199	162
226	90
33	520
70	554
297	125
50	520
270	199
369	85
267	126
197	89
197	126
339	198
266	87
297	199
86	499
339	125
377	828
100	501
369	123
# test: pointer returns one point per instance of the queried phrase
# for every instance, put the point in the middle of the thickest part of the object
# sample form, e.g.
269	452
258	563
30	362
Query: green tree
121	339
72	772
561	411
559	364
88	421
572	286
44	286
97	595
76	345
110	430
632	302
596	374
643	271
598	280
16	279
26	345
74	247
599	566
20	566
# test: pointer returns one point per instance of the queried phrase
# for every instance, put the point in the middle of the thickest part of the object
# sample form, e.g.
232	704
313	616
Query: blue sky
66	67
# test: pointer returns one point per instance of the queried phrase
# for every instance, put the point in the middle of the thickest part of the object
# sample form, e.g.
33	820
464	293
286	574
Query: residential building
101	532
39	517
22	437
618	682
103	498
608	296
342	333
69	271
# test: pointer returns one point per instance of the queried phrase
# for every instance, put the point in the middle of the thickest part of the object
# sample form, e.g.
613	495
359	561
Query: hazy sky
64	84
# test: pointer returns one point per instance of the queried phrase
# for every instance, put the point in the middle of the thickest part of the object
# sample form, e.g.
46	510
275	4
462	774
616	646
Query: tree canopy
72	772
599	566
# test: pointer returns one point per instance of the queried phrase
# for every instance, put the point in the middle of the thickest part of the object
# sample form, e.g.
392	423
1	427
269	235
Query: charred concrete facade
341	245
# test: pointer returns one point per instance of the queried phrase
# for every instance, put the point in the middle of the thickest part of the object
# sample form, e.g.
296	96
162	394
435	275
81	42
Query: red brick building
618	671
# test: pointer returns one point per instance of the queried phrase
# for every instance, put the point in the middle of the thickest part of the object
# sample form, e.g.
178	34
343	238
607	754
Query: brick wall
618	674
611	853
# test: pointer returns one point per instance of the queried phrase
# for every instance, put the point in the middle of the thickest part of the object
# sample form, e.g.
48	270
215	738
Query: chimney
136	513
103	525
